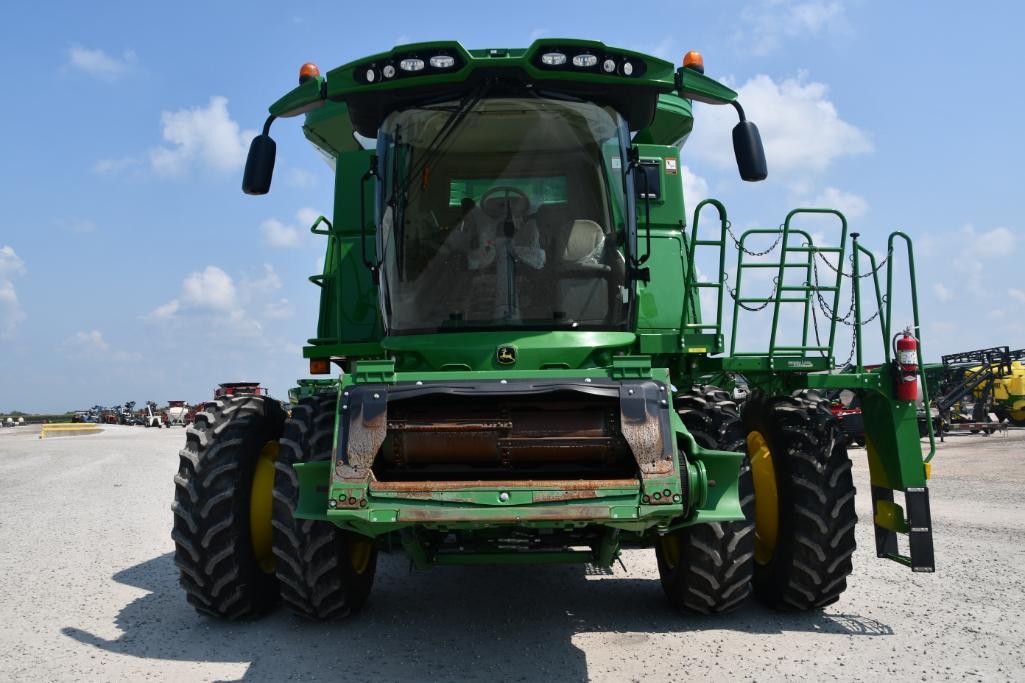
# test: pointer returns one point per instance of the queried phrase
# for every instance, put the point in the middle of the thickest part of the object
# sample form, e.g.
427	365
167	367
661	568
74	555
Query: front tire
217	529
706	568
804	501
325	572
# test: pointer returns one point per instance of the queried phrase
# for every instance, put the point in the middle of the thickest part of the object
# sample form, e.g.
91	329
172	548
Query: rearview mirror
747	146
259	165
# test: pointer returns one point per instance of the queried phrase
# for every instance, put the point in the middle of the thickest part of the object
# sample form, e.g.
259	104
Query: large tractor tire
325	572
804	501
222	507
706	568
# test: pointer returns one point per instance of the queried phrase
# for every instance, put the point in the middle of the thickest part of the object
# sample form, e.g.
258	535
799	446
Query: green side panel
673	122
474	351
349	311
660	301
893	443
314	480
330	129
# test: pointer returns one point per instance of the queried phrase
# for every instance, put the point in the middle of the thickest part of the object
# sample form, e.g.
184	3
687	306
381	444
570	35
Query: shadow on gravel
461	623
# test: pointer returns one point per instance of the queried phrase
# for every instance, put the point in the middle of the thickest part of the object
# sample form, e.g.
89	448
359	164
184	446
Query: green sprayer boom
530	368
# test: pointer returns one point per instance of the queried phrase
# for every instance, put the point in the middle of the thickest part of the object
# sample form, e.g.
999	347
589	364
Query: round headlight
584	61
628	68
553	59
608	66
388	71
370	75
443	62
411	64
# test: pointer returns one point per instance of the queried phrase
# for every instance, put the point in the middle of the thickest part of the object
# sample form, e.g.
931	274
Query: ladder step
782	300
807	288
798	348
774	265
805	250
709	285
707	243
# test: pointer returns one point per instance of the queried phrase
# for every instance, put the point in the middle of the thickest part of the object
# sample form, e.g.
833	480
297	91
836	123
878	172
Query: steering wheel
506	208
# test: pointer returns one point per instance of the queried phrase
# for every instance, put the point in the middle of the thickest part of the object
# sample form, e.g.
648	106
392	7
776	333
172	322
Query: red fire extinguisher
906	359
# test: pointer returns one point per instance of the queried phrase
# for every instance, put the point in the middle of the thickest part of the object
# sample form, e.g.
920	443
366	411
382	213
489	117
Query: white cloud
11	313
211	288
87	342
695	188
278	234
205	136
851	205
942	293
800	127
99	64
1017	294
990	244
768	24
92	345
212	294
164	311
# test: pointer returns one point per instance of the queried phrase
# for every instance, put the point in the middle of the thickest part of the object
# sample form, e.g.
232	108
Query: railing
809	293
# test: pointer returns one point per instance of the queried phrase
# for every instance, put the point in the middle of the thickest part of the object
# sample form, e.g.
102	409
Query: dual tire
238	545
793	548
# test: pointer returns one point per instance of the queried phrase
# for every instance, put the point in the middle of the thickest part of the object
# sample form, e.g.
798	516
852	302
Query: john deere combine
525	371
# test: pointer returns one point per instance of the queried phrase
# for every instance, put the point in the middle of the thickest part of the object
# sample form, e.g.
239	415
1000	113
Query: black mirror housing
747	146
259	165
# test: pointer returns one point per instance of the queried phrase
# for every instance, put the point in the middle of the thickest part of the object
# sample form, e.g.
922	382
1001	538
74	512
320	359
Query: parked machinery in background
979	389
152	417
239	389
177	413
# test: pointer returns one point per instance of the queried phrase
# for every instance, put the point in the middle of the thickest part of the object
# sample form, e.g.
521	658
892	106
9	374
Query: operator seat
585	283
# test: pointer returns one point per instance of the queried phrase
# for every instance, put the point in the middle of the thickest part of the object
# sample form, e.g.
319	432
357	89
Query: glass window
506	214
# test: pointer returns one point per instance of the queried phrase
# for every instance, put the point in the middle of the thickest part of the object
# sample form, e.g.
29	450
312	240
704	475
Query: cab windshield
503	213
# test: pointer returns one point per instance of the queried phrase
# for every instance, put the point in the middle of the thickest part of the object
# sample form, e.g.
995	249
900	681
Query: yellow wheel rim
360	553
261	505
1017	413
763	473
670	546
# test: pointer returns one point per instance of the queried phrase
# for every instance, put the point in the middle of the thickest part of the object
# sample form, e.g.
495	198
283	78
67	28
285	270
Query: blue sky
132	267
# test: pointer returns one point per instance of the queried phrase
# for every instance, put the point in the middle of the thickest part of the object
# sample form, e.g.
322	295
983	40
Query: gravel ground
88	590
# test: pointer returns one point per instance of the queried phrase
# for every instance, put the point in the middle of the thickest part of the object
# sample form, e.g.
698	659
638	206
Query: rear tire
325	572
214	549
706	568
804	564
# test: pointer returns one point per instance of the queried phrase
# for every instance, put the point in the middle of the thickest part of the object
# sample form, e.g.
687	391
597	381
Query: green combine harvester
530	370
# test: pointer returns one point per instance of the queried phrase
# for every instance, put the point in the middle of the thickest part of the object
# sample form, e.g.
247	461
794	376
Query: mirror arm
740	110
266	125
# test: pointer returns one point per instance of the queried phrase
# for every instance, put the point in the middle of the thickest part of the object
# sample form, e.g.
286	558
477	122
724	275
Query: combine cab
529	369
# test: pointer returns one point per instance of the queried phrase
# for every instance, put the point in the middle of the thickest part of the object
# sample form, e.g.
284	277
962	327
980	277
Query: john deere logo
506	355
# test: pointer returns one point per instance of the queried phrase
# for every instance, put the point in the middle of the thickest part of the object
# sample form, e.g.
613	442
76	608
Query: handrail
322	219
691	282
917	325
836	294
778	298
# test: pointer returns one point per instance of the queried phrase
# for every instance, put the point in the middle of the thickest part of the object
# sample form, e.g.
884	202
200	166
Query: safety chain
850	276
754	309
736	242
845	320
